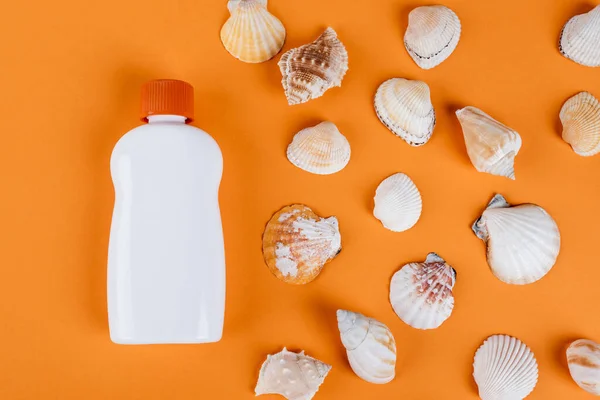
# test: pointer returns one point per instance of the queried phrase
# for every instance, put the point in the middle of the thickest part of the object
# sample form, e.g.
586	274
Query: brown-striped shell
583	357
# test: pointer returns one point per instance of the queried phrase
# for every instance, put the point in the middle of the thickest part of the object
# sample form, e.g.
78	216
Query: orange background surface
69	88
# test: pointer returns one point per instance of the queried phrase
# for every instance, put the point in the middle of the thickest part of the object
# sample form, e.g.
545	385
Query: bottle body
166	263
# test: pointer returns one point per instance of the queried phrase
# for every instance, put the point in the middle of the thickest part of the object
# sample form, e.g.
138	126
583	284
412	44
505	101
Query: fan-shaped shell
297	243
370	347
432	35
492	146
321	149
252	34
398	203
421	293
583	357
294	376
522	241
504	369
580	37
580	117
405	108
310	70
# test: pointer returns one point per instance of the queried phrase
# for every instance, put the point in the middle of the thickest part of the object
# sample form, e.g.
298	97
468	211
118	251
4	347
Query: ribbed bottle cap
167	97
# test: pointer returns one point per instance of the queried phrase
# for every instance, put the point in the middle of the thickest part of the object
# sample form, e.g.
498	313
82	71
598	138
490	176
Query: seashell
294	376
522	241
432	35
405	108
580	117
310	70
297	243
579	38
322	149
370	347
398	203
421	293
492	146
252	34
583	357
504	369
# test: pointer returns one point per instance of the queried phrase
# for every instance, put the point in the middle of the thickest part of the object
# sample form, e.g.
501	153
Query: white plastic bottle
166	263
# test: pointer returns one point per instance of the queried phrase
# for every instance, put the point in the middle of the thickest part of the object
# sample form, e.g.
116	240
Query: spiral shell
579	38
398	203
580	117
297	243
583	357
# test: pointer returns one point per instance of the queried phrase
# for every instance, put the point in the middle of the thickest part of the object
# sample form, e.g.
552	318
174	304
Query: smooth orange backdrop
70	77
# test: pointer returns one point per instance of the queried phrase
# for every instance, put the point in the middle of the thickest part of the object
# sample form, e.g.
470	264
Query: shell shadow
455	129
576	9
559	351
325	315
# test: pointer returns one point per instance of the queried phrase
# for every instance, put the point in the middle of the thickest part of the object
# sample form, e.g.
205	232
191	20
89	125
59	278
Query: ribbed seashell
580	37
370	347
398	203
580	117
294	376
297	243
432	35
252	34
583	357
310	70
405	108
504	369
421	293
322	149
522	241
492	146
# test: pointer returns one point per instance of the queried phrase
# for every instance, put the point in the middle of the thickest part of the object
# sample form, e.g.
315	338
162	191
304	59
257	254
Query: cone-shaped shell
583	357
398	203
580	38
504	369
310	70
405	108
322	149
580	117
370	347
297	243
421	293
294	376
492	146
432	35
252	34
522	241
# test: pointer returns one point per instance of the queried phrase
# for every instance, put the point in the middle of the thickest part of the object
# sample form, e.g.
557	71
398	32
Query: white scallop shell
294	376
580	117
398	203
432	35
504	369
421	293
580	37
492	146
370	347
522	241
405	108
321	149
583	357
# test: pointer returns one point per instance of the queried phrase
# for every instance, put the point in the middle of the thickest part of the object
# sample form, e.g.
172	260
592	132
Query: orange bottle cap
167	97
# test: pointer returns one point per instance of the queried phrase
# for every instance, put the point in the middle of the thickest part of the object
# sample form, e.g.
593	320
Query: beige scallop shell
523	241
421	293
294	376
583	357
580	37
252	34
321	149
310	70
398	203
504	369
405	108
492	146
370	347
297	243
580	117
432	35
